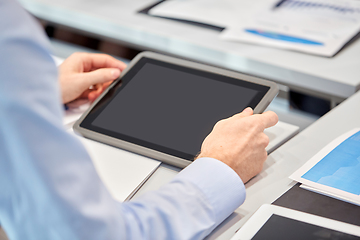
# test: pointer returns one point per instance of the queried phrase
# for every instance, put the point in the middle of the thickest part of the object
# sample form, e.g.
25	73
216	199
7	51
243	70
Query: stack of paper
319	27
335	170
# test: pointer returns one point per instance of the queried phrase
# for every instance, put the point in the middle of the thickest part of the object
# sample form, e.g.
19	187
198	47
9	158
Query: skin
84	76
238	141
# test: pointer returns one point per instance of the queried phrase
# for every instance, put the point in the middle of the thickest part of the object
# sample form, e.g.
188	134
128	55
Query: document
334	171
280	134
220	13
320	27
122	172
74	113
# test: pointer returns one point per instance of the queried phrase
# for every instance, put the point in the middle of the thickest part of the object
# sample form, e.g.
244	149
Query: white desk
334	78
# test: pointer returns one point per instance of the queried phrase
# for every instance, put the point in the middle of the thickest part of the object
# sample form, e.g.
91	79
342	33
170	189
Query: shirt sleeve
49	188
191	205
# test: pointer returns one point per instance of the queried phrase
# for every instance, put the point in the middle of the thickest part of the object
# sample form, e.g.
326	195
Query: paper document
334	170
221	13
122	172
279	134
320	27
73	114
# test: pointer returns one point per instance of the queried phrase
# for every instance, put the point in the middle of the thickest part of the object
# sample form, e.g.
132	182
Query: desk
334	78
273	181
116	167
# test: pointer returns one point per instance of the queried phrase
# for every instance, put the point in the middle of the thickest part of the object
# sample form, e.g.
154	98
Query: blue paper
339	169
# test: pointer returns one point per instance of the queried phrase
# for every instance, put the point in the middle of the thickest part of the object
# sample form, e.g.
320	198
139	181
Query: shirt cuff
220	184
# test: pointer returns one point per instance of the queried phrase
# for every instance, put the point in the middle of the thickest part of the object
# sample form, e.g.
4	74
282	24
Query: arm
49	187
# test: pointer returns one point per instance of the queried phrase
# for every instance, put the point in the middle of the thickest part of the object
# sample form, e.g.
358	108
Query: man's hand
86	75
240	142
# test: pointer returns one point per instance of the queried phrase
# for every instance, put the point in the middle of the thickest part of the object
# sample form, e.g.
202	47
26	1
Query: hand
86	75
240	142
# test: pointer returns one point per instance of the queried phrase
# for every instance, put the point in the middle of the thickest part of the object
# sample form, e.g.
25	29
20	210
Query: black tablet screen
278	227
170	108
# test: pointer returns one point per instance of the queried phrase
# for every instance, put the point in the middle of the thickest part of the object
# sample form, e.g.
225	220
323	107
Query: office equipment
274	180
311	202
335	169
164	107
333	78
278	135
122	172
272	222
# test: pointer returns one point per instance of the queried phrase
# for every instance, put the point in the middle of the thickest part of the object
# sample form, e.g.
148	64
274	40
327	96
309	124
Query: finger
92	96
269	119
99	76
96	60
264	139
248	111
105	85
99	88
96	91
245	113
85	94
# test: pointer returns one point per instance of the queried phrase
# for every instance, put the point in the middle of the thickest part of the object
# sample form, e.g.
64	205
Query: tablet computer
164	107
272	222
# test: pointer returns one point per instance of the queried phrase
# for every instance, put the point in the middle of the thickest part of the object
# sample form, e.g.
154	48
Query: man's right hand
240	142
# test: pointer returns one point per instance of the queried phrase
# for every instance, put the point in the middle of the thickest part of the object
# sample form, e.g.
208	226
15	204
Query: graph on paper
335	169
334	7
339	169
320	27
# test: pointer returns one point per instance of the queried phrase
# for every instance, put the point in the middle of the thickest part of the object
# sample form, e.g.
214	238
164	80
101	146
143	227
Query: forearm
49	186
190	206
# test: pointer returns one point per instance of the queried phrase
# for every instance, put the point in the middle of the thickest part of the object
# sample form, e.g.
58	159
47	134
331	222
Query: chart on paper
340	168
334	170
319	27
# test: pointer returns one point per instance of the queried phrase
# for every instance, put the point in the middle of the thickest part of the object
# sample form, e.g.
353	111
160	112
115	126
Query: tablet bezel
170	159
263	214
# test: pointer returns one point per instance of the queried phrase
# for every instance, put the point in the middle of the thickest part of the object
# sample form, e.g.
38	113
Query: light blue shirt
49	188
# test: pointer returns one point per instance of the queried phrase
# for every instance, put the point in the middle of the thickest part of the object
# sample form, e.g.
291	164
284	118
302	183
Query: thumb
99	76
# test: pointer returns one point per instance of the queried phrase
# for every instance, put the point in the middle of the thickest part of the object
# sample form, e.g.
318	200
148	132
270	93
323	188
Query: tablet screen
279	227
170	108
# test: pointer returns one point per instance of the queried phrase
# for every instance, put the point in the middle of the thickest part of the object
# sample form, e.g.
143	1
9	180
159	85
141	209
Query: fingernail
115	73
248	109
